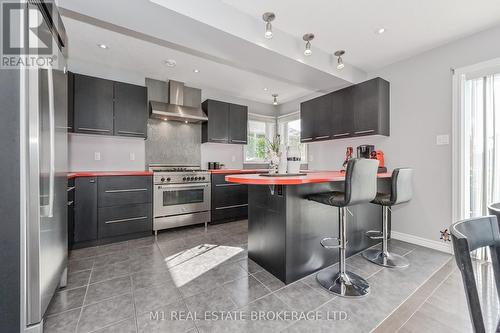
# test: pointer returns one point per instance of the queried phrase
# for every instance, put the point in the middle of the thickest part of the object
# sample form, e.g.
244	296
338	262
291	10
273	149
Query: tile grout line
83	303
133	302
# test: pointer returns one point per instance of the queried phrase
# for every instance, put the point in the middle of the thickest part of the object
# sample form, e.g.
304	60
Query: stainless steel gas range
181	196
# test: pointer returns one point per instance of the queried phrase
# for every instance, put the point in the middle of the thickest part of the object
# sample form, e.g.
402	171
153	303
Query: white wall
230	155
421	108
115	153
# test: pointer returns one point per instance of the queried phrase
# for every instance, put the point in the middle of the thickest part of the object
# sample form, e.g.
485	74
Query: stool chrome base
390	260
345	284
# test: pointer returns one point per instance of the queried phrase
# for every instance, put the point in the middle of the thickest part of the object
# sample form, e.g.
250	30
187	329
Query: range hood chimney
175	109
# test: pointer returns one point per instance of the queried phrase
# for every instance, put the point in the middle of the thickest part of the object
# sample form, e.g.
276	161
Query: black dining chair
467	236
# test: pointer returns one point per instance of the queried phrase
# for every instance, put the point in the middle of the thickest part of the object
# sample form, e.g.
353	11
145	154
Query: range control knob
203	178
192	178
168	179
196	178
184	178
162	179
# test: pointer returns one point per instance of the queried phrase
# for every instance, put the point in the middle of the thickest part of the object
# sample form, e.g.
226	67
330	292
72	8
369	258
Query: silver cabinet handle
227	207
322	137
70	189
132	133
363	132
126	220
239	141
127	190
93	129
224	185
70	203
214	139
341	134
306	139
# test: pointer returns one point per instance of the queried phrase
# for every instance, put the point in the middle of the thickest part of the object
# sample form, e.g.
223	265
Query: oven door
175	199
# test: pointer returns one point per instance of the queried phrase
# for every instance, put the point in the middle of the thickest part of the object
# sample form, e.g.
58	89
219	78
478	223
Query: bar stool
401	191
360	186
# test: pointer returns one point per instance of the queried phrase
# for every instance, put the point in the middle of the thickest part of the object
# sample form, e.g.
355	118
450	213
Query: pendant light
275	99
340	62
308	38
268	17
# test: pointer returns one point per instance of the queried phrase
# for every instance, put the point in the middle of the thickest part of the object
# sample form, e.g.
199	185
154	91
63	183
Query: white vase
282	166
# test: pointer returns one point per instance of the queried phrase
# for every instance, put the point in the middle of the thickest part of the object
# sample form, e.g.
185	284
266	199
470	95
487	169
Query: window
260	130
289	131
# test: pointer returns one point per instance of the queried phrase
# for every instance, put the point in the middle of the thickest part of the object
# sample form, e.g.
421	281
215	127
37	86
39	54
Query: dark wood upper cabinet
227	123
93	105
370	101
358	110
238	124
130	110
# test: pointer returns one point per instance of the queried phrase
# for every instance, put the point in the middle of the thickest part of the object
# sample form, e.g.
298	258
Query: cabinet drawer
227	195
230	213
124	190
120	220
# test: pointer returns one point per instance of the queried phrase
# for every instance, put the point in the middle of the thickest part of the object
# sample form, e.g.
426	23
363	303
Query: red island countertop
235	171
310	177
108	173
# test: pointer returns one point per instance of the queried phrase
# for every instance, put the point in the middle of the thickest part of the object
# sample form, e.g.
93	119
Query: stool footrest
330	243
374	234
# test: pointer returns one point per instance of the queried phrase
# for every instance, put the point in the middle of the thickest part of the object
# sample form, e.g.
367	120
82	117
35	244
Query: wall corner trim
429	243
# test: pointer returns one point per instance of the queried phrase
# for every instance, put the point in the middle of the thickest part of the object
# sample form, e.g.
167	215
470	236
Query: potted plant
274	153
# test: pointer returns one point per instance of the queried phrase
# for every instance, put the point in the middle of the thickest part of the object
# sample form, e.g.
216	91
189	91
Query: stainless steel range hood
175	109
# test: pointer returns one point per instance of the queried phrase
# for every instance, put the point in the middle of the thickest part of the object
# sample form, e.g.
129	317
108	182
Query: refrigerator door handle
48	210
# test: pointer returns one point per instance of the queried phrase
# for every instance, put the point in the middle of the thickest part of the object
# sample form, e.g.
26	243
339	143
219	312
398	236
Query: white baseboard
432	244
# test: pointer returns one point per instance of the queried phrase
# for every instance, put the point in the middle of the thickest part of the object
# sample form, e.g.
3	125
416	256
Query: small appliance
365	151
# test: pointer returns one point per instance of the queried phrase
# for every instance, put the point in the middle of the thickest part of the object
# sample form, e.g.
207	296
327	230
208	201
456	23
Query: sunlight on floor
190	264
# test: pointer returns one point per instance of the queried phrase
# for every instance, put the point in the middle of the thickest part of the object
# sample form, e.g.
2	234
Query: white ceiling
137	56
411	26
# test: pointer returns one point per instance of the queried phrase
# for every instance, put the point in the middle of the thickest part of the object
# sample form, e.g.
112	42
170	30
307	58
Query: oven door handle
175	186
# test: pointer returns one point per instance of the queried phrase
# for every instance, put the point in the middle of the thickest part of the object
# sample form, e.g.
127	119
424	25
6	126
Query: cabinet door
217	125
306	122
238	124
371	107
85	206
342	114
130	110
93	105
323	119
71	93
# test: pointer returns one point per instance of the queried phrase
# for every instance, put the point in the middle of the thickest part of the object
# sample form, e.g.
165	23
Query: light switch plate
443	139
97	156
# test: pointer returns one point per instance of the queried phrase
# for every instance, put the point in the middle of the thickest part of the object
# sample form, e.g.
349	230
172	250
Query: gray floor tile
250	266
149	299
125	326
145	263
102	314
121	247
109	272
106	289
151	279
78	279
80	265
88	252
66	300
300	297
363	265
109	259
244	290
212	300
269	305
141	242
62	323
270	281
170	318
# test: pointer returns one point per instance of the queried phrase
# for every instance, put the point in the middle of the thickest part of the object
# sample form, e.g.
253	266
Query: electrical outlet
97	156
442	140
233	158
132	156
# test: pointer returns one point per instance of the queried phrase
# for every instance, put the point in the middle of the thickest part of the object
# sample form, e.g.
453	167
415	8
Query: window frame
269	121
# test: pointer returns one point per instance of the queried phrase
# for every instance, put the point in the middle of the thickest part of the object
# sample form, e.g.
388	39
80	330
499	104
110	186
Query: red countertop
310	177
234	171
108	173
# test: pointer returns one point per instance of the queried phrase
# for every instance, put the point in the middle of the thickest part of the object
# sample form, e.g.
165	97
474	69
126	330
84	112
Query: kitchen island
285	229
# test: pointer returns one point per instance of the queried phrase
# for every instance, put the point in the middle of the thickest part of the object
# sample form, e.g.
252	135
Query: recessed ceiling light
170	63
165	119
185	121
103	46
265	89
196	70
380	31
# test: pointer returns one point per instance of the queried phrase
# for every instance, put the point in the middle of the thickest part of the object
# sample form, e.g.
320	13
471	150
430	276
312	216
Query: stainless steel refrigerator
45	108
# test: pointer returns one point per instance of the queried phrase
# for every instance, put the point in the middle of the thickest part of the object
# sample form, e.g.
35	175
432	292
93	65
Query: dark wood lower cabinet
109	209
229	200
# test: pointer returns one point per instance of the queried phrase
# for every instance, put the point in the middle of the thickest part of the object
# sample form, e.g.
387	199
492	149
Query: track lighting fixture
340	63
275	99
308	38
268	17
